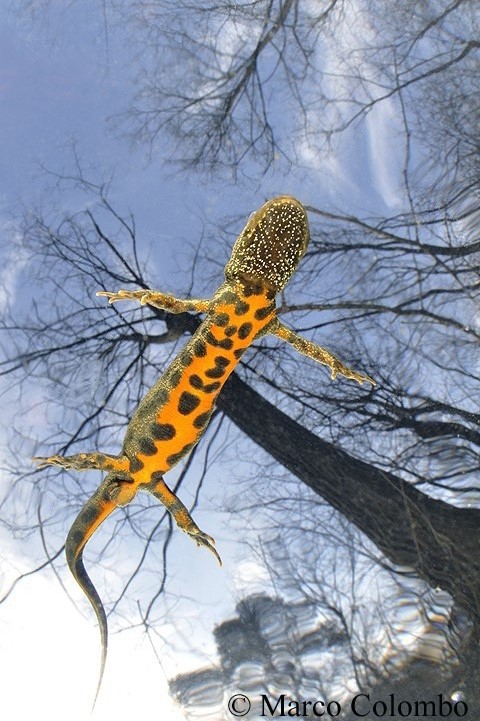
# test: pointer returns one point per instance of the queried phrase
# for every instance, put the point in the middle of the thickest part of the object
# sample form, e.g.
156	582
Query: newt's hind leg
85	461
180	514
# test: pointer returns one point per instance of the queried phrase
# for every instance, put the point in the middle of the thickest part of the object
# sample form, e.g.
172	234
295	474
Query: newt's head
271	244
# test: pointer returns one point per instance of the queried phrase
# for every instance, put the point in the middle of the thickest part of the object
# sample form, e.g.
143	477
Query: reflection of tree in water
272	647
304	651
396	295
417	534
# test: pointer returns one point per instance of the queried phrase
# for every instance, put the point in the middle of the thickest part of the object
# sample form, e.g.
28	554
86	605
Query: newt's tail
98	507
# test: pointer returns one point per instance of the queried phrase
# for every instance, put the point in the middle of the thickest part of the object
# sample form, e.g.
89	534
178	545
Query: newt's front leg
86	461
180	514
317	353
164	301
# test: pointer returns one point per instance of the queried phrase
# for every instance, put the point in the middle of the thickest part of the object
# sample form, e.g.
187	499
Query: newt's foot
138	295
79	462
203	539
44	461
338	368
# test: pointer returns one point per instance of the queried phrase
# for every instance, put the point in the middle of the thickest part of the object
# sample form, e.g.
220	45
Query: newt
175	413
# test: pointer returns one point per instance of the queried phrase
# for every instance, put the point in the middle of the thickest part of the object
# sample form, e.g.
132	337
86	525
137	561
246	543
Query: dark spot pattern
136	465
231	330
221	364
263	313
175	457
245	330
238	352
156	476
200	348
195	381
186	359
175	379
163	431
211	387
202	420
147	446
188	403
226	343
241	307
221	319
215	372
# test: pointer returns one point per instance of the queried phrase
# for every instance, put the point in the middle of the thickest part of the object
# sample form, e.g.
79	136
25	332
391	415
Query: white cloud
13	259
49	658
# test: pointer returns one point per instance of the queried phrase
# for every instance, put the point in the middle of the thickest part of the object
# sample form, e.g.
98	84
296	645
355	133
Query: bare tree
121	353
264	80
395	295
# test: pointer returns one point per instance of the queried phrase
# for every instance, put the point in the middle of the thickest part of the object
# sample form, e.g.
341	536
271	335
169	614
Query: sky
56	91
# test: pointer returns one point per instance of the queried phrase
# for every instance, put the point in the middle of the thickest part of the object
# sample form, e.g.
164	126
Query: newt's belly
175	413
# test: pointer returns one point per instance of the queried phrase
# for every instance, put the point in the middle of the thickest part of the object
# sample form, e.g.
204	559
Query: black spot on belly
221	319
220	365
226	343
162	431
202	420
238	352
211	387
147	446
136	465
241	308
175	457
263	313
187	403
200	348
231	330
245	330
215	372
195	381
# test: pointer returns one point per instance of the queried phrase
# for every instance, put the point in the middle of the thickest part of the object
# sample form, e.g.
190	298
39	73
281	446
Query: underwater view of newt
175	413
